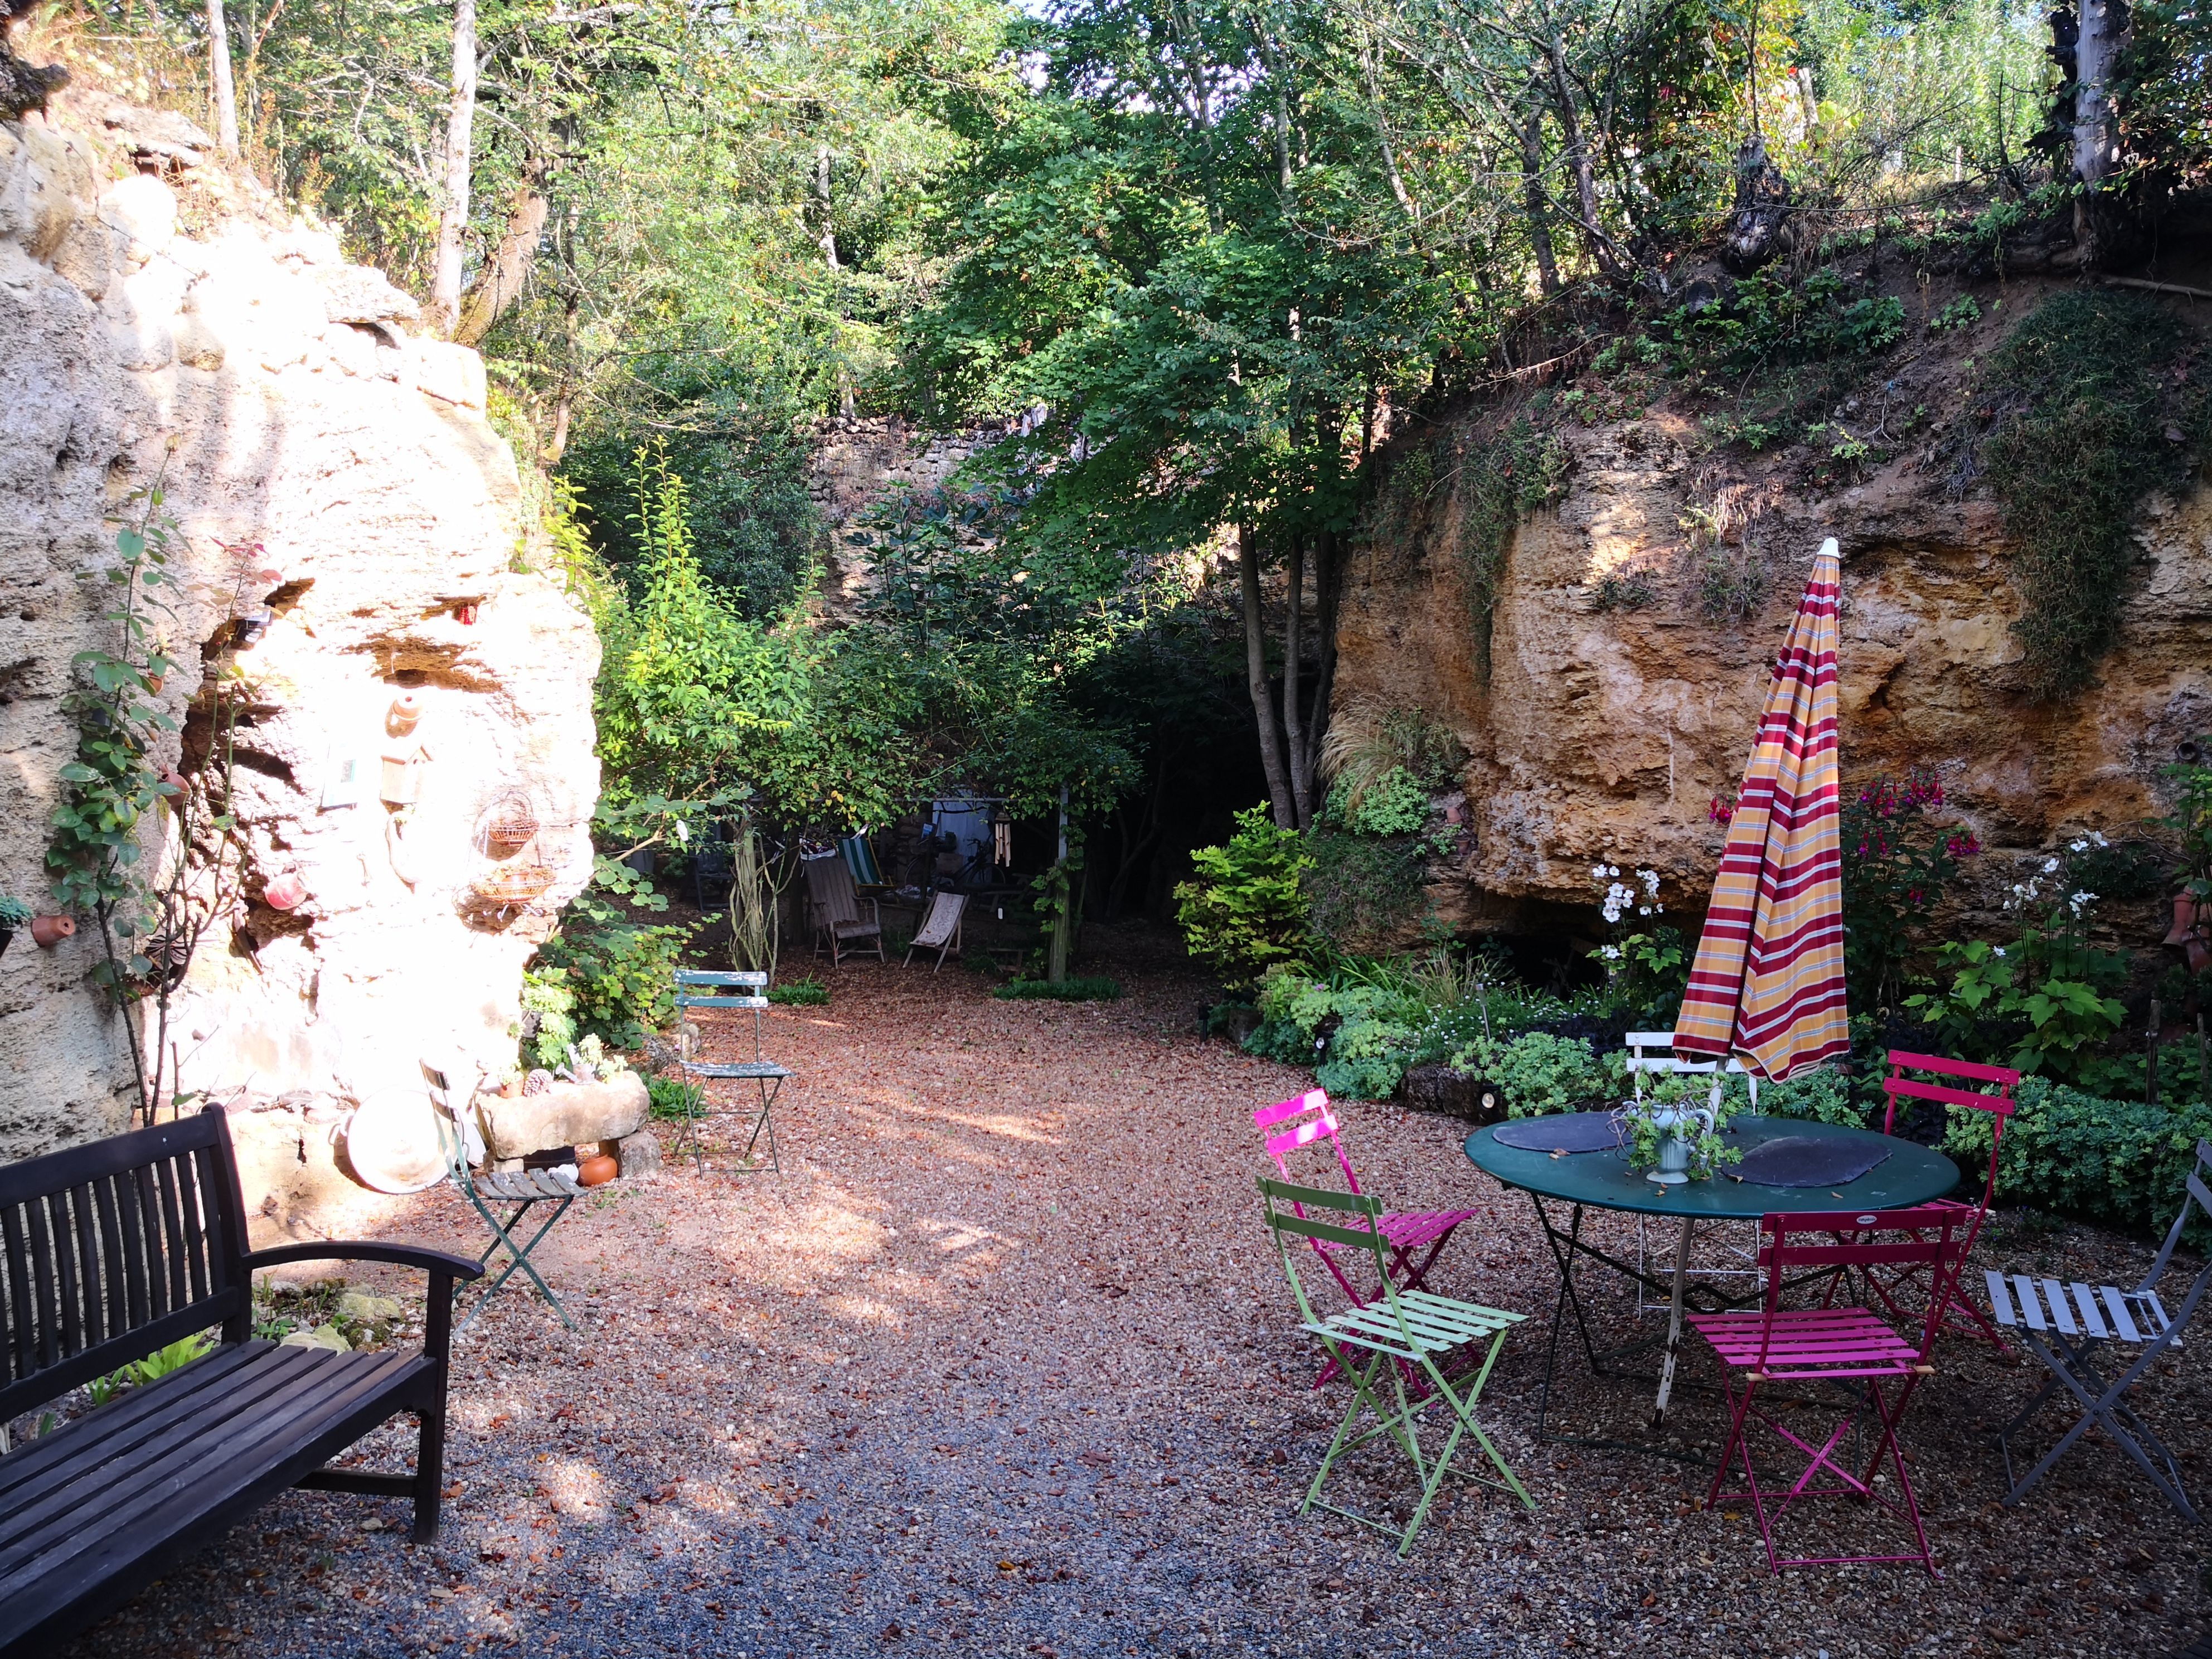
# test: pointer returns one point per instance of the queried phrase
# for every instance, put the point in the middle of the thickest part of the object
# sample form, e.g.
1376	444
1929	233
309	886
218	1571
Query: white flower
1598	872
2081	900
2098	836
1996	950
2077	847
1657	908
2050	865
1610	953
1613	869
1643	910
1650	880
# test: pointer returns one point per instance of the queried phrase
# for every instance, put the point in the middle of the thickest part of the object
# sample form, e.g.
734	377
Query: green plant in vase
1674	1130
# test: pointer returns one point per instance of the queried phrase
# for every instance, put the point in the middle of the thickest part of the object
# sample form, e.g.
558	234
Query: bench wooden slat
116	1421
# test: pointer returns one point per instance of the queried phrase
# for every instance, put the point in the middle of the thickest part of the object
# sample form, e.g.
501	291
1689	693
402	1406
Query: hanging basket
516	884
509	825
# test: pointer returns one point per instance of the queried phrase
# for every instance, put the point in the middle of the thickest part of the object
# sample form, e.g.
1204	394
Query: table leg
1673	1324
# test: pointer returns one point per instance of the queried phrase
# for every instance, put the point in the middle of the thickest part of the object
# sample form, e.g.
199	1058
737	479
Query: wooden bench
111	1251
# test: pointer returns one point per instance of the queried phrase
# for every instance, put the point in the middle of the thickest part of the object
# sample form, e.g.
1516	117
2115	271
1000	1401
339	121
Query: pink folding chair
1852	1346
1959	1314
1414	1237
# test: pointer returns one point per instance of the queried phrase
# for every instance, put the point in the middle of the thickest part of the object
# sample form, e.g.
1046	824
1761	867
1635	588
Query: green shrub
1244	908
2117	1162
1374	1040
621	977
1362	891
1079	987
2087	411
1393	804
1823	1095
801	992
673	1098
546	995
1539	1073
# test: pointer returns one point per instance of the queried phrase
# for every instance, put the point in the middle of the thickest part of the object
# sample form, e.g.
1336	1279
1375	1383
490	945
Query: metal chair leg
520	1253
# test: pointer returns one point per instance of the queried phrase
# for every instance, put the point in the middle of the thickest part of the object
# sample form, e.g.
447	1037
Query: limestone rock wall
1605	734
162	319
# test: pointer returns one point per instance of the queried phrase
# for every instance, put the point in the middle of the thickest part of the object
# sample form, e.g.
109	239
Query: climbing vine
1501	482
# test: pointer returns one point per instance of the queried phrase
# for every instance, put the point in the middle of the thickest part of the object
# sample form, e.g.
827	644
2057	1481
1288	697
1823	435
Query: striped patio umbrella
1768	983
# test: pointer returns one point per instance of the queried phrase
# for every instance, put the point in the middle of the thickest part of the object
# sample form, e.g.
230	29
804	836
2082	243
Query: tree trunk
1531	184
824	203
453	214
1329	586
226	96
1255	678
557	445
499	283
2104	31
1298	757
1578	158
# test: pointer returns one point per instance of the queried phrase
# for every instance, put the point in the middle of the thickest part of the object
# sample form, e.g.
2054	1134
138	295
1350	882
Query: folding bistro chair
1852	1346
1310	1118
2067	1340
1398	1332
1959	1313
521	1190
759	1069
1653	1052
940	928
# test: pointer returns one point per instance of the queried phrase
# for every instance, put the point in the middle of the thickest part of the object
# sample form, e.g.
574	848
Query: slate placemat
1804	1161
1561	1132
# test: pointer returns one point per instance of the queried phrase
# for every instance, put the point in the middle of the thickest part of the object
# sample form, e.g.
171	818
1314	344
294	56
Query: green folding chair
759	1069
1396	1331
522	1190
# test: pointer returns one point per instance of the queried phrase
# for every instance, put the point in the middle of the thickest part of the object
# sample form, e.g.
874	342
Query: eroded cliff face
1604	732
161	319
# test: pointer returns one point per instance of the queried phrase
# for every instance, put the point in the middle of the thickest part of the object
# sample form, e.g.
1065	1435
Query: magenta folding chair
1413	1237
1877	1370
1959	1314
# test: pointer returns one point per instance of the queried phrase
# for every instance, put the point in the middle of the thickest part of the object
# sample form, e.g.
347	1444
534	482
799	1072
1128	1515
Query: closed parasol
1768	981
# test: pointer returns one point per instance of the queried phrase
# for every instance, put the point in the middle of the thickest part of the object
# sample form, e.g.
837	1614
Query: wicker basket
517	883
509	825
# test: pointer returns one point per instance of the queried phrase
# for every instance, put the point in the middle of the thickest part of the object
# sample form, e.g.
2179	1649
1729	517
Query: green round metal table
1911	1174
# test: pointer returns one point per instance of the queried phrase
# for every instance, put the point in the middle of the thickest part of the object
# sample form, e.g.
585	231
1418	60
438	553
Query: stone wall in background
161	317
1610	713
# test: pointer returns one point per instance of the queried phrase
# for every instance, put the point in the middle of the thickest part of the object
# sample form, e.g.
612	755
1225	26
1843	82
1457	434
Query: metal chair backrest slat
1934	1236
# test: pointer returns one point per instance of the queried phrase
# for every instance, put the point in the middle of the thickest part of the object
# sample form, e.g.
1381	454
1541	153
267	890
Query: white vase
1673	1169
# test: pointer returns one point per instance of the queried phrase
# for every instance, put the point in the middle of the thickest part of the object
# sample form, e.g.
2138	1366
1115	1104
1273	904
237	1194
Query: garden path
999	1367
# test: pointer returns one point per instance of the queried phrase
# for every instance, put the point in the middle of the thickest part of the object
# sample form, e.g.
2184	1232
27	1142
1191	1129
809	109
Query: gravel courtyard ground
1003	1364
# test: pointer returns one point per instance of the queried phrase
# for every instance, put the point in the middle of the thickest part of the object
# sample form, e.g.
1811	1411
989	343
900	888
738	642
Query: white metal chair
1653	1052
753	987
940	928
2066	1338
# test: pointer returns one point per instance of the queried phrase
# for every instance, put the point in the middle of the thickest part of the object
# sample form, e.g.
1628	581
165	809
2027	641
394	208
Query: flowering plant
1896	862
1675	1108
1645	965
2051	982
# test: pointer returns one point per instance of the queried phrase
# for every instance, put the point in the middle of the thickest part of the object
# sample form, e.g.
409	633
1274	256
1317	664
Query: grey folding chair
759	1069
2066	1338
520	1189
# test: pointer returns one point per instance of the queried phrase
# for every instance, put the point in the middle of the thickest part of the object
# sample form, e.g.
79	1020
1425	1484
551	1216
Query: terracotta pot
173	778
465	614
50	931
287	892
154	683
597	1171
406	711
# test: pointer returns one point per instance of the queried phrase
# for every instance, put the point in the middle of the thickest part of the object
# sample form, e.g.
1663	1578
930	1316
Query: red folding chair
1408	1234
1853	1346
1959	1314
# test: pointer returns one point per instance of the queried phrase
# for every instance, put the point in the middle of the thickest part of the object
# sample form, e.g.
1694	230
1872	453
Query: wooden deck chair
834	904
860	860
940	928
521	1190
1398	1330
752	988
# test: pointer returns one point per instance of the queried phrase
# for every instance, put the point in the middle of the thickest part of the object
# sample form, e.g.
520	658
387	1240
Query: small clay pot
2185	920
466	613
287	892
173	778
154	683
597	1171
50	931
402	717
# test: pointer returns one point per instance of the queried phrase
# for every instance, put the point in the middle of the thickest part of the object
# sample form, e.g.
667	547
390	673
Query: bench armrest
442	1266
440	1262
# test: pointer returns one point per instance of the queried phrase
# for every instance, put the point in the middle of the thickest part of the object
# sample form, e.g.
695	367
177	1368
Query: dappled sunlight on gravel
1003	1364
